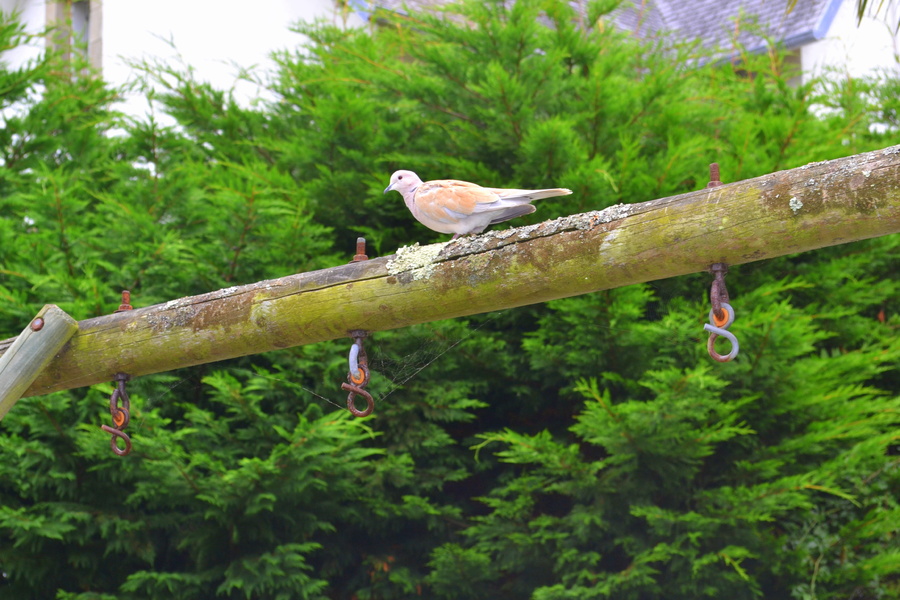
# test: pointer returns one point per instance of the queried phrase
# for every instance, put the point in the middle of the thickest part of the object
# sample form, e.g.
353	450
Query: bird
460	207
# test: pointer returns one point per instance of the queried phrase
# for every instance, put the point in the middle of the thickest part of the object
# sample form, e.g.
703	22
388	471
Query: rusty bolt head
37	324
714	176
360	250
126	301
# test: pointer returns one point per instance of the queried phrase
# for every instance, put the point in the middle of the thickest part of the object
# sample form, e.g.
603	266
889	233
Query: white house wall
853	50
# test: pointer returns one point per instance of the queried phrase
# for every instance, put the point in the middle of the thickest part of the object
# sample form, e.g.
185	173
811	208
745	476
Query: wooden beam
29	353
821	204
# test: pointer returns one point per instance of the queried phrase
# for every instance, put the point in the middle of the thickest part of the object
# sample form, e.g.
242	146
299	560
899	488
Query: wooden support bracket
33	350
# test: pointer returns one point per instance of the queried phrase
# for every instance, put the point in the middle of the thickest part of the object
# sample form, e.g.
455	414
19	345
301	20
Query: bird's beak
388	188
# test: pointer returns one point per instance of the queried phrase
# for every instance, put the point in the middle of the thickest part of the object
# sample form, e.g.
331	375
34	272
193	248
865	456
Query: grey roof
713	22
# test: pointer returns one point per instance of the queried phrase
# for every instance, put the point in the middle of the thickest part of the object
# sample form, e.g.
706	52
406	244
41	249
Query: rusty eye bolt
721	315
358	377
121	415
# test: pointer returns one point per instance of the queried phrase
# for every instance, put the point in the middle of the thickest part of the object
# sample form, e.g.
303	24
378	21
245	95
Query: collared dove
460	207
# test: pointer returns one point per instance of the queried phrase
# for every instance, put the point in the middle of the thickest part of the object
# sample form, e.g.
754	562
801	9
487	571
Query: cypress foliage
587	448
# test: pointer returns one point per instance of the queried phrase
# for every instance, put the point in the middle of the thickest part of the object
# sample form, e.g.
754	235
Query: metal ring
361	377
359	372
723	323
354	356
121	418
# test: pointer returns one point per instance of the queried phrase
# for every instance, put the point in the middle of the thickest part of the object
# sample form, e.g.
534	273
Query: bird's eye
399	177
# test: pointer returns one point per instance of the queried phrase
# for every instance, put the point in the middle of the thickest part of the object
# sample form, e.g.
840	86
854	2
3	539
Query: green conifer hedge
586	448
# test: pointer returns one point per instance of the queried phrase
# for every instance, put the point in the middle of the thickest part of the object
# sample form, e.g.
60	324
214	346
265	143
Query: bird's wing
448	200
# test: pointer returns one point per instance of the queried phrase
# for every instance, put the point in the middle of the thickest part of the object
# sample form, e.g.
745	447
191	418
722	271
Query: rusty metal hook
358	376
715	331
121	415
112	441
721	315
351	400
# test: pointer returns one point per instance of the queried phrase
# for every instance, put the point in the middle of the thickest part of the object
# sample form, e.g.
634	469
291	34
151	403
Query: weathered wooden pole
27	356
820	204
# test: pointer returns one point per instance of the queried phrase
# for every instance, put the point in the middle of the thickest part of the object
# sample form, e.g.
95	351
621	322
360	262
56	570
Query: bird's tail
529	195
